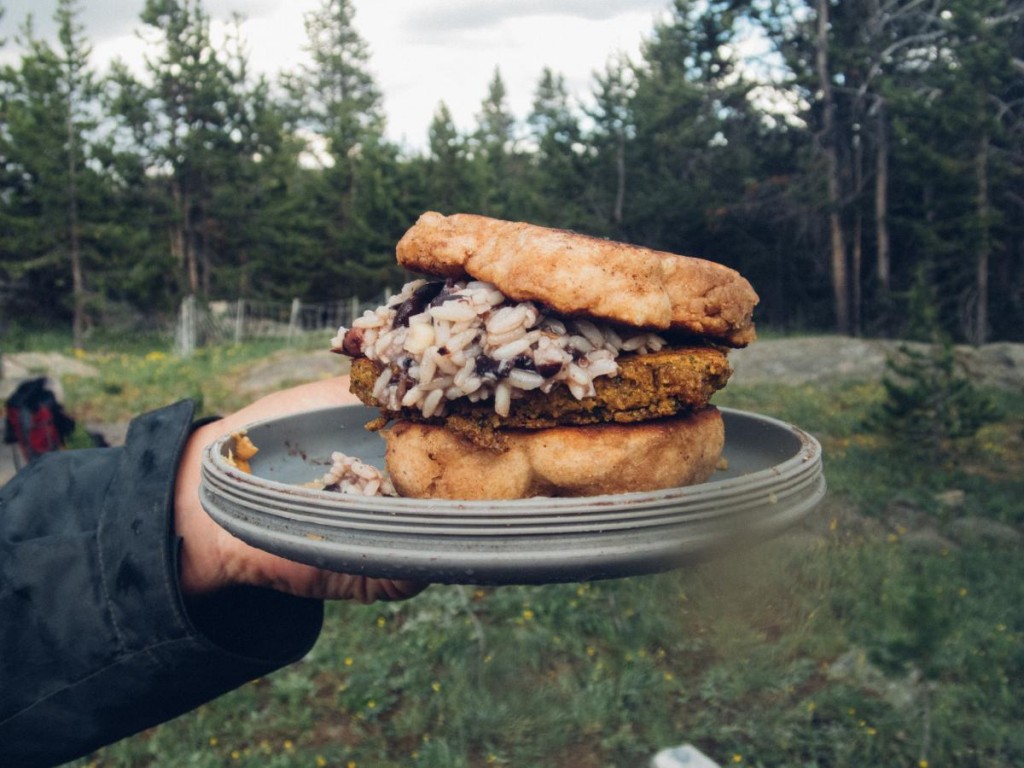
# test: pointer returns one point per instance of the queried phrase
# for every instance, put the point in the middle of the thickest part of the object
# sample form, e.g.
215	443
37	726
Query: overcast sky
422	51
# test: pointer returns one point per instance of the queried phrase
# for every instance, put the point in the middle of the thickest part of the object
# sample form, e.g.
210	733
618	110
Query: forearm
96	640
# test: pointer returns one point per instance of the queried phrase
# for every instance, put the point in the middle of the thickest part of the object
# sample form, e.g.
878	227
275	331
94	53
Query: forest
865	174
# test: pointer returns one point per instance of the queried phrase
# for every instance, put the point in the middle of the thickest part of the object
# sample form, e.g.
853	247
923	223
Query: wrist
202	566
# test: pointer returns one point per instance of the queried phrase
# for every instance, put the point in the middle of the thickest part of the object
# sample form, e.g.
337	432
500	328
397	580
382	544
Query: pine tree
449	179
614	128
494	152
189	131
930	403
559	170
48	100
356	209
695	135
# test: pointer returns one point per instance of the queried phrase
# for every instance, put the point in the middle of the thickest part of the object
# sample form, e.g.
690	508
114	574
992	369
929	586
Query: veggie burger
539	362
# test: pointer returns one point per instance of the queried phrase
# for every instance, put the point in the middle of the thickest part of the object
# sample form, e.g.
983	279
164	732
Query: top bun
577	274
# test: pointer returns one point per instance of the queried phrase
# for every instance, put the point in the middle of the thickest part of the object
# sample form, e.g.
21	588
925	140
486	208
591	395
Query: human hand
212	558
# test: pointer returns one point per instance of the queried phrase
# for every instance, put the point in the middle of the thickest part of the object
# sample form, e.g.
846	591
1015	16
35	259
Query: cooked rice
350	475
438	342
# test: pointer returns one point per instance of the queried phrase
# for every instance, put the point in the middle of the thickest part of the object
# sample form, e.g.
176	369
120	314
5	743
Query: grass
868	636
135	381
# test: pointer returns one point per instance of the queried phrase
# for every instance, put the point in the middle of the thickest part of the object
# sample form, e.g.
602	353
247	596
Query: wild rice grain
466	341
432	401
503	398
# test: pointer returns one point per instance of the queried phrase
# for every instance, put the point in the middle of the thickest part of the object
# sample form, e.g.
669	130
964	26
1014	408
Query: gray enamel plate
774	478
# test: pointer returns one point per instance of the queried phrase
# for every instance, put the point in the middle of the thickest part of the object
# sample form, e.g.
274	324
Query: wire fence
219	322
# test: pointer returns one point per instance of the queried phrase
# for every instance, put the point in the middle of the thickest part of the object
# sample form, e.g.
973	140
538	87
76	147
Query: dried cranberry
446	293
352	343
416	303
547	370
486	366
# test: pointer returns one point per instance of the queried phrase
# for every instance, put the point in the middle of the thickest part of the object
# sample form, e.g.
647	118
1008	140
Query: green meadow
886	630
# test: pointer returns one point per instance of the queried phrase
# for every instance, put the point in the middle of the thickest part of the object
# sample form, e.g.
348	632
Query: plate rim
807	456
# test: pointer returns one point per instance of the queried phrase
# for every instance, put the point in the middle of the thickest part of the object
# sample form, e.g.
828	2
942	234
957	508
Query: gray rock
854	668
813	359
981	530
927	541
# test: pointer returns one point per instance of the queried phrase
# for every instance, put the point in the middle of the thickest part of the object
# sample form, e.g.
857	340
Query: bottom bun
431	462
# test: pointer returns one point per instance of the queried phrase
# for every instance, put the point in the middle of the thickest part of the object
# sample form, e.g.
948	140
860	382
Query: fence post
293	320
353	310
239	320
185	337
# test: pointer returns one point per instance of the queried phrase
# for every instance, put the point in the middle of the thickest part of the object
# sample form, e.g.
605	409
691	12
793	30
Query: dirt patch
289	367
18	366
830	359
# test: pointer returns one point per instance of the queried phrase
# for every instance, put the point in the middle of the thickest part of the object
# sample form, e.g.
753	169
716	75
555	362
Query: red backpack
36	421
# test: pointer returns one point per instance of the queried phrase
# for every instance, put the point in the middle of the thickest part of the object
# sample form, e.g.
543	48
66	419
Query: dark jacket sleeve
96	641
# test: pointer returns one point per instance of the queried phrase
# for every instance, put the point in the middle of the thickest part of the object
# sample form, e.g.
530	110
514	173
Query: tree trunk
840	276
620	182
180	247
204	252
74	231
183	236
980	335
883	267
857	248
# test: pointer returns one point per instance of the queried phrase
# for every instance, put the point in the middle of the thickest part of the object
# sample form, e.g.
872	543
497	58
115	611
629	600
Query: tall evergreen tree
495	150
981	87
337	102
78	91
614	126
48	104
450	183
187	126
694	129
559	172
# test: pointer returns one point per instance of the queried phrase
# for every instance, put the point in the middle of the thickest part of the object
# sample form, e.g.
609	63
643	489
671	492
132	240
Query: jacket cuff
172	655
139	555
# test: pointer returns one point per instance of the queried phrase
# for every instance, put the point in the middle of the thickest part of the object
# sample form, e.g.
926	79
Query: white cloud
462	15
422	51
